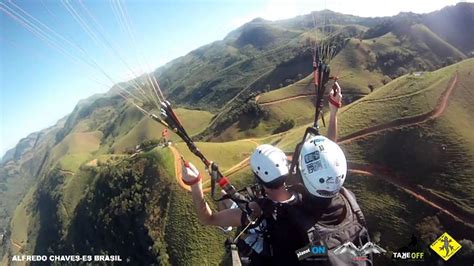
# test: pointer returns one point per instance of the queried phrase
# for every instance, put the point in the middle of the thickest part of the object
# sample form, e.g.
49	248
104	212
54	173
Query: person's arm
224	218
335	101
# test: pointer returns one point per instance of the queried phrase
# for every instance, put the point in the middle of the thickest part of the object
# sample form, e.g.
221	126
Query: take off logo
411	256
410	252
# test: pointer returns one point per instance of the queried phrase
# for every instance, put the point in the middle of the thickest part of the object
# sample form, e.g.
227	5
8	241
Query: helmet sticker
314	167
316	140
330	180
311	157
321	147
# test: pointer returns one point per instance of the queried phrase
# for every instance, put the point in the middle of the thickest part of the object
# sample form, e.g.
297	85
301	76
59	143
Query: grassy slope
432	44
96	119
453	131
404	97
20	224
362	69
242	130
188	242
355	62
300	110
303	86
75	149
352	66
12	196
355	80
415	95
78	143
193	120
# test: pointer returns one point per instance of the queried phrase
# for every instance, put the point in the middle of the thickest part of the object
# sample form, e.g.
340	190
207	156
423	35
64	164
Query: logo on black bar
314	252
410	252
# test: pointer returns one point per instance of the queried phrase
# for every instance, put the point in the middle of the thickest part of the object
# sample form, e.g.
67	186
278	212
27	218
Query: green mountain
75	188
20	168
371	53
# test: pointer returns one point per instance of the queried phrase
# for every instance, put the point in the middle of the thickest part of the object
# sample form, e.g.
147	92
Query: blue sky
40	83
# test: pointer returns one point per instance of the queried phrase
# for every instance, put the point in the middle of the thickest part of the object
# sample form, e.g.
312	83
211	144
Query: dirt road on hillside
15	244
433	200
286	99
406	121
66	172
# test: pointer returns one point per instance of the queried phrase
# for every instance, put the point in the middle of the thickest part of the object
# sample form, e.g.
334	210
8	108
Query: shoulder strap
354	205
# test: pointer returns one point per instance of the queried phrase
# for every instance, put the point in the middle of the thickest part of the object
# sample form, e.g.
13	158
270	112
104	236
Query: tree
371	87
285	125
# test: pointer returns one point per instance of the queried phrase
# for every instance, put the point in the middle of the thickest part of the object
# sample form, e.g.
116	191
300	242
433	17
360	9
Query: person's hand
335	98
190	174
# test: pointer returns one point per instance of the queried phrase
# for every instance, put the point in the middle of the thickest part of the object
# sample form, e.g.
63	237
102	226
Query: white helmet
270	165
323	166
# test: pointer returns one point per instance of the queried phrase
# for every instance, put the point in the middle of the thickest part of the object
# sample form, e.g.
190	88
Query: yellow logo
445	246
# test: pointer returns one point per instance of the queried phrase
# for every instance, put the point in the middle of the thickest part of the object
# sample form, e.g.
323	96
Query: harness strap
354	206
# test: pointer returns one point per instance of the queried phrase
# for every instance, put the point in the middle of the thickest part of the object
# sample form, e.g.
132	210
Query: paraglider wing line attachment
310	131
321	77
